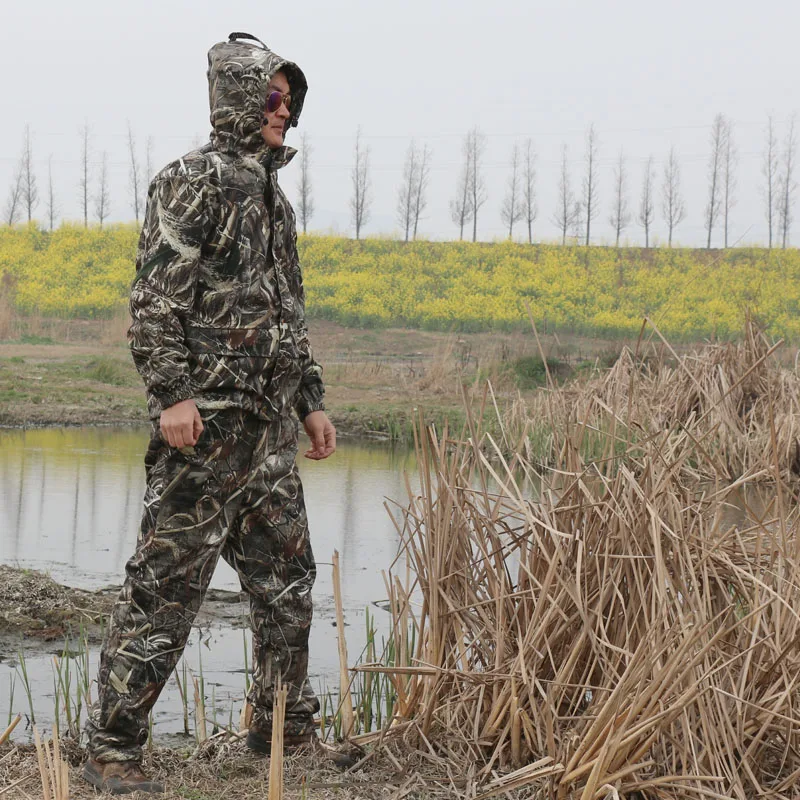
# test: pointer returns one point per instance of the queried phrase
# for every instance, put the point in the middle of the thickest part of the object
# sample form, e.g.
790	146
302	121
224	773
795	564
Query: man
220	339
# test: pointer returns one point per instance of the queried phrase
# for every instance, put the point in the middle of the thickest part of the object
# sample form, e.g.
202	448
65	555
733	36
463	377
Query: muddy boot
343	756
119	777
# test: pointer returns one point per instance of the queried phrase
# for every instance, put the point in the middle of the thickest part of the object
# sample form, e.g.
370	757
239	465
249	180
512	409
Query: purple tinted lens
274	100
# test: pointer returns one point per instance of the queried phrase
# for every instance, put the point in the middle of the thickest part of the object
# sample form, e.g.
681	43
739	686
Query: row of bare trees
94	193
573	215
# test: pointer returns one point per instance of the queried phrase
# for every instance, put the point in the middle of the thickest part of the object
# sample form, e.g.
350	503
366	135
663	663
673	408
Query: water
70	504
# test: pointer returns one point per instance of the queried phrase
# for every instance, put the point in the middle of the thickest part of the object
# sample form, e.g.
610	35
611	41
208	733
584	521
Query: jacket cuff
305	407
172	394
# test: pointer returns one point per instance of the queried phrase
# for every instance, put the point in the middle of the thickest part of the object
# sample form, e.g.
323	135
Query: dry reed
600	619
276	750
345	698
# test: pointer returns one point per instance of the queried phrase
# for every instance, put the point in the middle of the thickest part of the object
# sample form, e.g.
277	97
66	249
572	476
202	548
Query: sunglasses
274	100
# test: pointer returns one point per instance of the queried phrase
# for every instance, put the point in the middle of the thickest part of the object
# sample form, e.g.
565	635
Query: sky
647	75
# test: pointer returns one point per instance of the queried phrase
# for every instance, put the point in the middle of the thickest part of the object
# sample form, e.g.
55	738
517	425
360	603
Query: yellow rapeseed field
458	286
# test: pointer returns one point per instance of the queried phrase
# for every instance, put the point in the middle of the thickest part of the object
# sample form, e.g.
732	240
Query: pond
70	504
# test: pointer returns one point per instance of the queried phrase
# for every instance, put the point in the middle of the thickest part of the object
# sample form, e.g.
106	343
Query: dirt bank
36	612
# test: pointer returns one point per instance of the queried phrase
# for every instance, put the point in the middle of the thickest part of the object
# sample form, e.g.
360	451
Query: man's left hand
322	434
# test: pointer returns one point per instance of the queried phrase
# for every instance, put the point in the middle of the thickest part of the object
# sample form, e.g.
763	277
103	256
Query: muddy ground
39	614
391	770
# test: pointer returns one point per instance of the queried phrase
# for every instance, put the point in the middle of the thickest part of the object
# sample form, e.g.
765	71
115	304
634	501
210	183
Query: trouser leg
270	549
191	500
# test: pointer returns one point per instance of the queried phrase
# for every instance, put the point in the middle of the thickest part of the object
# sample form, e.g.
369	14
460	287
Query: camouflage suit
218	316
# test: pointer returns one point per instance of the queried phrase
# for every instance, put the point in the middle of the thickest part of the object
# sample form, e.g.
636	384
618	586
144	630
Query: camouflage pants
237	494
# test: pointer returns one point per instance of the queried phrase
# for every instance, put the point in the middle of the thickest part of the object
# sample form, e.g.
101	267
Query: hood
239	71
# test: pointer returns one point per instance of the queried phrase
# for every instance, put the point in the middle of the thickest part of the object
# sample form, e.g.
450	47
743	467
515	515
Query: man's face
275	121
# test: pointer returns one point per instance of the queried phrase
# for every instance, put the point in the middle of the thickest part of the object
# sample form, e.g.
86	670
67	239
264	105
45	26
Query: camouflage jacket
217	305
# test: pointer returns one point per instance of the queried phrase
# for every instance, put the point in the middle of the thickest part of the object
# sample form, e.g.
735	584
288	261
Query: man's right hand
181	425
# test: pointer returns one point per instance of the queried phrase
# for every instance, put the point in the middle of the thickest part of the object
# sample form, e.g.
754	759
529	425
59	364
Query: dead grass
614	635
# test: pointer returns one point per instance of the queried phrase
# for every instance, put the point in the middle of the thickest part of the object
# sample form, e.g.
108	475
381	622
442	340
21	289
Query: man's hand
181	425
322	434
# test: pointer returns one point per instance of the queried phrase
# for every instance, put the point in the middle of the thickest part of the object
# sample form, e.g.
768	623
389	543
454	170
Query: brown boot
119	777
342	756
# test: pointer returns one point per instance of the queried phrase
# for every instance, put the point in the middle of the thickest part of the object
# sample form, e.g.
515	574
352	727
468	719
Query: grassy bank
58	372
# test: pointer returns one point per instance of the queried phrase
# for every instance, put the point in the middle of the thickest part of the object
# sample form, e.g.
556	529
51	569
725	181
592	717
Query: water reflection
71	504
70	501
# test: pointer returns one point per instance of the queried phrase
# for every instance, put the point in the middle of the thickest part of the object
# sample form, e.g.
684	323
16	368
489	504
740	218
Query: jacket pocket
241	359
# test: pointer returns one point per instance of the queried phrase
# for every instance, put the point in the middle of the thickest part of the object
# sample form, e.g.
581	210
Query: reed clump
599	625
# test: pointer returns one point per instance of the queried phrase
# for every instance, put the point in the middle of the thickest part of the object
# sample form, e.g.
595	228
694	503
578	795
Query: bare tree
646	201
513	210
788	184
578	224
407	193
13	206
423	179
360	201
672	203
305	197
719	130
135	178
83	181
30	189
148	161
477	185
102	205
460	205
769	169
529	207
52	207
620	216
590	180
730	159
565	210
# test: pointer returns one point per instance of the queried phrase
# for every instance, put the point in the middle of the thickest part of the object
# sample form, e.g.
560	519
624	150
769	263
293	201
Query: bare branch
769	169
83	181
719	131
52	207
461	204
13	206
646	201
305	202
529	207
407	192
30	190
564	216
672	204
730	158
787	184
477	185
590	187
513	209
423	179
360	201
102	204
134	175
620	216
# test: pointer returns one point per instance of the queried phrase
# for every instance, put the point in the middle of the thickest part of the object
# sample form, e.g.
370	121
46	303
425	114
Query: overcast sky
646	74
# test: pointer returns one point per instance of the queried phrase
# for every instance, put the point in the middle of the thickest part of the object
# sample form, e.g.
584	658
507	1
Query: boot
119	777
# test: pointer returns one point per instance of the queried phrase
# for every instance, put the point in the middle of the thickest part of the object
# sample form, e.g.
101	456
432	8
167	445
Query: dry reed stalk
53	770
276	748
617	623
10	729
345	698
246	716
200	712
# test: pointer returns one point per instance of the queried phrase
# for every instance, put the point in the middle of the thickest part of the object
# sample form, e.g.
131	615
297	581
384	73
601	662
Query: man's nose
284	112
